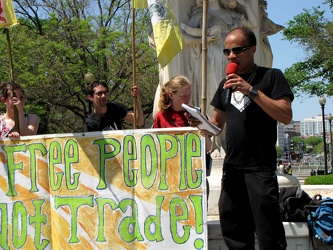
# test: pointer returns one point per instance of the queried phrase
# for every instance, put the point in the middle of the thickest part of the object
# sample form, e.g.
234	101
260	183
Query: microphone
231	68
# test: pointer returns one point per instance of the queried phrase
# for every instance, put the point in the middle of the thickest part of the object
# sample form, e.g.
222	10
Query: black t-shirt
251	134
110	121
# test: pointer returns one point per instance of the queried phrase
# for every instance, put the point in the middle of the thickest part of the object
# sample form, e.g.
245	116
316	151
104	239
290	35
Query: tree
313	141
58	42
298	142
314	33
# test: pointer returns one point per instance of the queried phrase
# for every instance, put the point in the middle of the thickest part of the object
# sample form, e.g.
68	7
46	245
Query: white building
282	140
285	133
314	126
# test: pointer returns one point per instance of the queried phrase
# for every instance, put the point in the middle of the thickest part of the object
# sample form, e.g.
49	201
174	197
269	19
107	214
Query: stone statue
267	28
222	16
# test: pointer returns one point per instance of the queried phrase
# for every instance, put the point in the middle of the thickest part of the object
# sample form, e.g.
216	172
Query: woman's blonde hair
173	85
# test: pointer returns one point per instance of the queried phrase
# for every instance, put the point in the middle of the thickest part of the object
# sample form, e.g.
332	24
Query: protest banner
128	189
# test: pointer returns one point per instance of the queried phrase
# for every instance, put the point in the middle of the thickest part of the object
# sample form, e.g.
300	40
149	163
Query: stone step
297	235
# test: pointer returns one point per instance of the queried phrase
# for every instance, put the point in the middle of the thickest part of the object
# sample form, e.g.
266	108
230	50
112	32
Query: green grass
319	180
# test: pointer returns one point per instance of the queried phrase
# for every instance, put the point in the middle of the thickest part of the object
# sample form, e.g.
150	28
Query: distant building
286	132
281	140
308	127
314	126
293	129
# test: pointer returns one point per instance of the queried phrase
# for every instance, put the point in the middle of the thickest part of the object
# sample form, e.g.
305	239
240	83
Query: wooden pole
89	78
11	67
204	58
134	65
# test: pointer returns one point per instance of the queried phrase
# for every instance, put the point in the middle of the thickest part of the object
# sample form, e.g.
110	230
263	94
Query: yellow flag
140	4
167	33
7	14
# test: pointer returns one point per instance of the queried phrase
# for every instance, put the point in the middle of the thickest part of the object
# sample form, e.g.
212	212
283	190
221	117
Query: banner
129	189
140	4
167	33
7	14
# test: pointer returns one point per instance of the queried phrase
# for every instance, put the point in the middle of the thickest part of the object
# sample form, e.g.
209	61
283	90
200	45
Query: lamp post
329	118
322	102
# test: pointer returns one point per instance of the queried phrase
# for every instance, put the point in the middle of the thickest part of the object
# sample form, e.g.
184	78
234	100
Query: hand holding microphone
231	69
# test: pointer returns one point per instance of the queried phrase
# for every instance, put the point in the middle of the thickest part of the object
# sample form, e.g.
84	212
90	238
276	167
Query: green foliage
310	144
299	143
319	149
313	141
297	140
57	43
319	180
312	31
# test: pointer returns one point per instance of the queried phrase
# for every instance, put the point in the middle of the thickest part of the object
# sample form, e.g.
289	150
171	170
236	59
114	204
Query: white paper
206	124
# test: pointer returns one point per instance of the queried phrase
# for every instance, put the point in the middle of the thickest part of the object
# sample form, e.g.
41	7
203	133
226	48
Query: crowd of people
248	203
283	169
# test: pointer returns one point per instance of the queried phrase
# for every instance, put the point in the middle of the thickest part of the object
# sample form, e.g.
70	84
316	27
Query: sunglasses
236	50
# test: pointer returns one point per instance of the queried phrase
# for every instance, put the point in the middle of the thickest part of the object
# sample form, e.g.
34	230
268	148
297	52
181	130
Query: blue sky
285	53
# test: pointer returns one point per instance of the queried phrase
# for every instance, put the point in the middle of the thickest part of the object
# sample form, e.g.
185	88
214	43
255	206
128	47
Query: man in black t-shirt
260	97
109	115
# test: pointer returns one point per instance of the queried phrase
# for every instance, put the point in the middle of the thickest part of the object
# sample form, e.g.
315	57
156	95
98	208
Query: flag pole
9	21
10	56
89	78
134	64
11	68
204	58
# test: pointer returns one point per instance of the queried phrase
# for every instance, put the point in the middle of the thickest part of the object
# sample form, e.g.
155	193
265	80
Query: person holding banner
260	97
28	123
110	115
174	93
